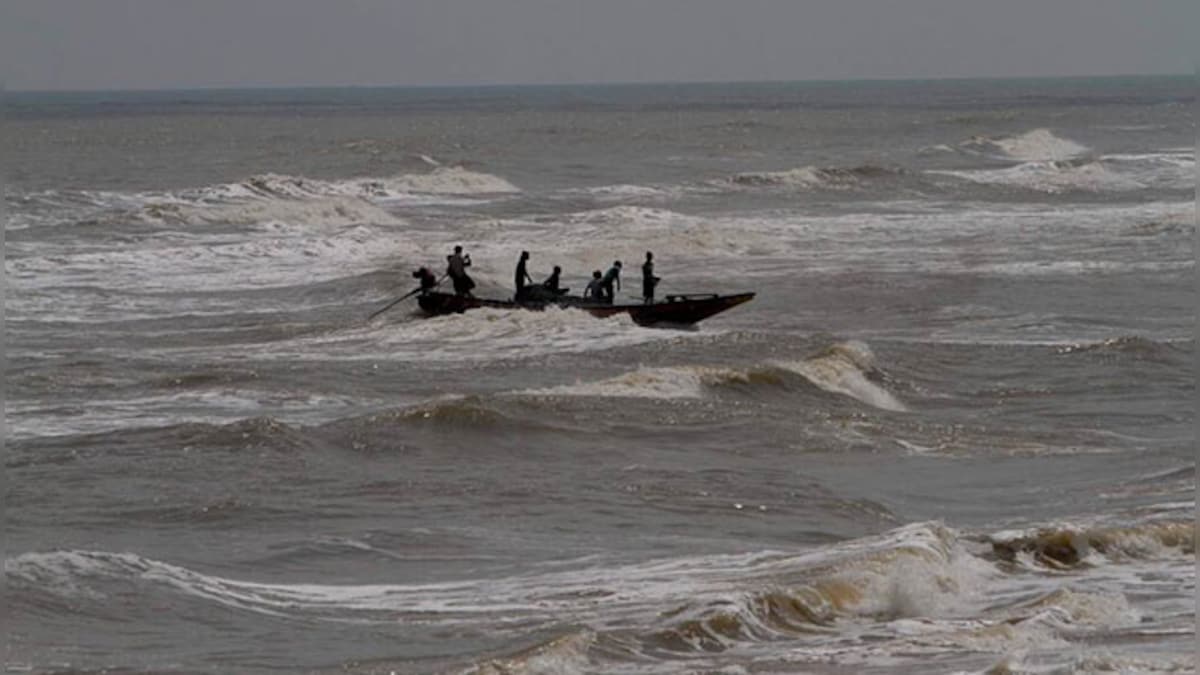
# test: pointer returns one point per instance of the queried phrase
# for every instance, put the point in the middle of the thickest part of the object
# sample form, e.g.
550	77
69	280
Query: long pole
403	297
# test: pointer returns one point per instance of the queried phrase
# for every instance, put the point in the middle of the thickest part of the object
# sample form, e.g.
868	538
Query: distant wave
459	413
1044	162
1054	176
1128	346
262	198
811	177
624	191
440	180
273	197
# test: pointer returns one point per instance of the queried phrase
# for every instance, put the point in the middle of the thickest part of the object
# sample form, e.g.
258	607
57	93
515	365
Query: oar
403	297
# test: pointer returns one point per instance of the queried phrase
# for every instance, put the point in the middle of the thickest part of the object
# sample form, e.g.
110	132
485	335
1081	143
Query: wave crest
846	368
661	383
1131	346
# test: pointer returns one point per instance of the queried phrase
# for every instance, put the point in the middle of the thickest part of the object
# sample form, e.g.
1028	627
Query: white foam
301	256
644	588
1162	170
1035	145
329	211
1053	176
478	335
588	240
627	191
451	180
809	177
682	382
441	180
802	177
265	198
207	406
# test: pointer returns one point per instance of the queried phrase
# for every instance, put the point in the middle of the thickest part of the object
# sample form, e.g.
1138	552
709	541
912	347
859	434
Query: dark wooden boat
674	309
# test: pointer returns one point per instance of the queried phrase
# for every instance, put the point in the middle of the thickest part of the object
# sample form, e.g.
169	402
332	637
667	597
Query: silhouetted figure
456	269
611	277
552	282
428	280
649	281
521	277
595	288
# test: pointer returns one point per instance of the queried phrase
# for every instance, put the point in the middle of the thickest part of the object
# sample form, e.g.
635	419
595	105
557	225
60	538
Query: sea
954	432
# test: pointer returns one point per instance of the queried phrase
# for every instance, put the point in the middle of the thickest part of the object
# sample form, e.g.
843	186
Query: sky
167	44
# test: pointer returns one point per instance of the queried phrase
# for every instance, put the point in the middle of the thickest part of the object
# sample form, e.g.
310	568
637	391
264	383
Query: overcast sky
116	44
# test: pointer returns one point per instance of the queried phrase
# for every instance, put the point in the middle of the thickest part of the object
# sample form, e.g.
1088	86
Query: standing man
521	277
649	281
456	269
612	276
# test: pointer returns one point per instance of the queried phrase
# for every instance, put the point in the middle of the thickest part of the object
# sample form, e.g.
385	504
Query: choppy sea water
954	432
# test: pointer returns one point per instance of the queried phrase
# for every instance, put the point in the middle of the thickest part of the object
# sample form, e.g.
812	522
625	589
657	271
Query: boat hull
674	310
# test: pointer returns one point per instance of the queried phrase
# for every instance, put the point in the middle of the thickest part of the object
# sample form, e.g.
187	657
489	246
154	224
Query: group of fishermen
601	289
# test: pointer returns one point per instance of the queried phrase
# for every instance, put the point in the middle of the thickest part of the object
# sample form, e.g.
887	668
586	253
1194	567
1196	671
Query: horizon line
601	83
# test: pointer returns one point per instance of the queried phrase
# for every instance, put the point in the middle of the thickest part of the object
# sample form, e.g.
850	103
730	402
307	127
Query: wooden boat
673	309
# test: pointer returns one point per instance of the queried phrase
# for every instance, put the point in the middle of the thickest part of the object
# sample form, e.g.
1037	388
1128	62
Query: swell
836	375
1128	348
254	433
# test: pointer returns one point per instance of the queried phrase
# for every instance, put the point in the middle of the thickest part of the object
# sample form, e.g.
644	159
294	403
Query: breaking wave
921	588
1068	546
846	368
1035	145
853	576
